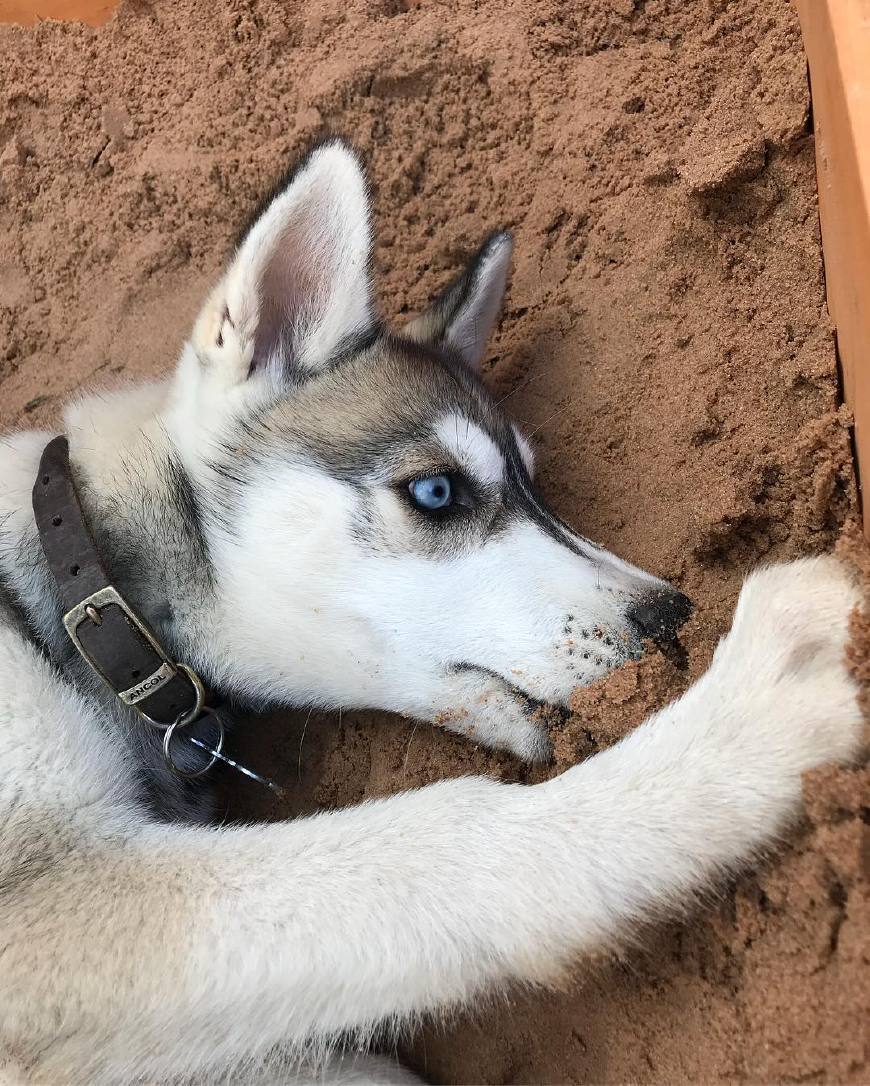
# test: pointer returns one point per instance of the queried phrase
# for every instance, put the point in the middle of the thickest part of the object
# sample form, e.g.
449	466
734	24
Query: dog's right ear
298	287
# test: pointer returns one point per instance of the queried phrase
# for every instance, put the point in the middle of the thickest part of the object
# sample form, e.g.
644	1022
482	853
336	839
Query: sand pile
665	333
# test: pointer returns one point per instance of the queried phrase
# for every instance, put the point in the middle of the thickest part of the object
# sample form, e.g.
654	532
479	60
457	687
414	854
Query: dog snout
659	615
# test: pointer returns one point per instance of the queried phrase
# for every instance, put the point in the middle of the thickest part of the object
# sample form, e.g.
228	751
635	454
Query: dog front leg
177	949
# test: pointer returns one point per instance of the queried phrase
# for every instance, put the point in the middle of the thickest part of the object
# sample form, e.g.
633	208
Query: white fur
526	450
472	448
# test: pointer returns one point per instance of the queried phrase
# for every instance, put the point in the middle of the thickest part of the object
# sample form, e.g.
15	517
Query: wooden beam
27	12
837	41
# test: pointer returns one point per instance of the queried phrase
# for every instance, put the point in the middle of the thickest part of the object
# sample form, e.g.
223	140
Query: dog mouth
670	647
674	651
667	643
530	705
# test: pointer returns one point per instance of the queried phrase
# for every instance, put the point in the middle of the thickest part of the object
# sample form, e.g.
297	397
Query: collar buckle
88	610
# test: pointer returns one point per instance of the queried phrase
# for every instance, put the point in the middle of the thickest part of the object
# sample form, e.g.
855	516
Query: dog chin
502	714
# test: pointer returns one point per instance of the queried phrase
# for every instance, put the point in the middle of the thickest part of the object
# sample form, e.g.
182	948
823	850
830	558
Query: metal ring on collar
184	721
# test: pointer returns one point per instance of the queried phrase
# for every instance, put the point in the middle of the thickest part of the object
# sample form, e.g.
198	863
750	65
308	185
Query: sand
665	341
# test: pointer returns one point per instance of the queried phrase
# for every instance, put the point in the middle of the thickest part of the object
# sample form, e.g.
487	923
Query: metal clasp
88	610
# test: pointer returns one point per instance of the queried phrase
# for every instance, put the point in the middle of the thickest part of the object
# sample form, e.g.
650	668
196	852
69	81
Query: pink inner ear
301	275
290	290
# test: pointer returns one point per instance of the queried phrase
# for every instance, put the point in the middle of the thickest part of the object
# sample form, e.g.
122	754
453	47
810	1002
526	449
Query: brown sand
666	336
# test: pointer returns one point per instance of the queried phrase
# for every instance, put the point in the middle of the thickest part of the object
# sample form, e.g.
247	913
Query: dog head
375	531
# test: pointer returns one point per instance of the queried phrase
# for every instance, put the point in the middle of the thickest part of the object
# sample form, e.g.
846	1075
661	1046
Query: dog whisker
408	750
560	411
518	388
301	741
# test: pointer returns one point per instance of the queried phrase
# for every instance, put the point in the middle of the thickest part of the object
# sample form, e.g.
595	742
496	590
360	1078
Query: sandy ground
665	341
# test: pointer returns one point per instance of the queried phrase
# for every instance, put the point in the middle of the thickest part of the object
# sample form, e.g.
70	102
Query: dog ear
298	286
463	316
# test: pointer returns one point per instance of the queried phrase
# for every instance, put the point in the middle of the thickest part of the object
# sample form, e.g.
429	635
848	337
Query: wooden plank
837	41
27	12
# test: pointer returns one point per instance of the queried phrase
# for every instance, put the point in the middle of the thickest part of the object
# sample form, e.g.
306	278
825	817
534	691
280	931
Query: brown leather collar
114	640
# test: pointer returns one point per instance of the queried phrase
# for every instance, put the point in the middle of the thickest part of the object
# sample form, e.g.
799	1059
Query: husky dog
314	510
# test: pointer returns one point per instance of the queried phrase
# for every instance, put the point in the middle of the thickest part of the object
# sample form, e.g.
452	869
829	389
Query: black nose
659	615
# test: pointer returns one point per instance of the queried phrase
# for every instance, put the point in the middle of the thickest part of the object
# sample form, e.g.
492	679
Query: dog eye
432	492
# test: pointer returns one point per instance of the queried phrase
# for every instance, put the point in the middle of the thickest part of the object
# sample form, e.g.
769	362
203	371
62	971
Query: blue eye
432	492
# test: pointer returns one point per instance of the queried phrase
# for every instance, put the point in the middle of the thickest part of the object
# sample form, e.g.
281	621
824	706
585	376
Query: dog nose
659	615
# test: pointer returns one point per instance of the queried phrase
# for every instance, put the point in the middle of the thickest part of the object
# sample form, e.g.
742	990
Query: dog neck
141	508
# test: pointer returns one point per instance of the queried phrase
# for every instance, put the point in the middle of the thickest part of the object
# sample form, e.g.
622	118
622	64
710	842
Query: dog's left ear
463	316
298	287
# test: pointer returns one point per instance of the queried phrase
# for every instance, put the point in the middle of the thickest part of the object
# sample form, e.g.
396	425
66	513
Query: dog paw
786	655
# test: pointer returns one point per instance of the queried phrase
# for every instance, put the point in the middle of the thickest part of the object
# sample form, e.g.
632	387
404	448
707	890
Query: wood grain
28	12
837	41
